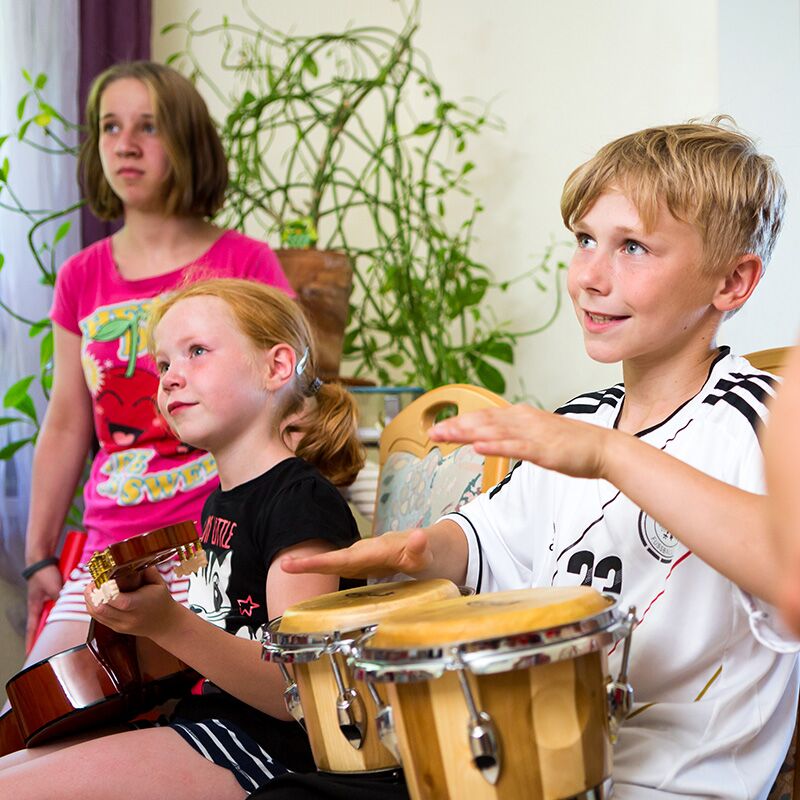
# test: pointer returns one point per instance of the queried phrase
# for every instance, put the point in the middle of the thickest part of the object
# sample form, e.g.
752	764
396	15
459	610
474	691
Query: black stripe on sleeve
480	549
740	404
503	482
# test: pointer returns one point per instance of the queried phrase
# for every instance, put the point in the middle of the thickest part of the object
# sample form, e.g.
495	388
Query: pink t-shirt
142	478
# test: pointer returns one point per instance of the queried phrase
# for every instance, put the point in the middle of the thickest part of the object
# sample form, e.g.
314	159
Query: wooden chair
773	360
420	480
787	784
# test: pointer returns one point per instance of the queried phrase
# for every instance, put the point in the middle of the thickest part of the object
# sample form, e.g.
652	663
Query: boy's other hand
392	552
522	432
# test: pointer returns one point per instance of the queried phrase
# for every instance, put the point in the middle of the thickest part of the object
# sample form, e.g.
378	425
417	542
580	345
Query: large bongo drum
345	718
503	695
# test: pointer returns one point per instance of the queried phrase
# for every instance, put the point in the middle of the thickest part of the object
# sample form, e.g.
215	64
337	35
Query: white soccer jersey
714	675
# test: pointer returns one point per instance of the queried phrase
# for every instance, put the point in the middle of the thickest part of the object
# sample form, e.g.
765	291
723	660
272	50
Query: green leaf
2	260
46	349
63	230
43	119
17	391
502	351
395	359
4	170
11	420
27	76
468	167
23	129
12	448
21	106
114	329
38	327
3	139
490	377
310	66
41	80
172	58
170	27
424	128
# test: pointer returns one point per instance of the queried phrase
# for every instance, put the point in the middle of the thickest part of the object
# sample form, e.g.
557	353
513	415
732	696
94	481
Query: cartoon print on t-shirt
208	588
208	595
124	393
126	415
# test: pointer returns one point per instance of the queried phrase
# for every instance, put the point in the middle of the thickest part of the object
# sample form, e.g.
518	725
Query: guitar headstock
119	564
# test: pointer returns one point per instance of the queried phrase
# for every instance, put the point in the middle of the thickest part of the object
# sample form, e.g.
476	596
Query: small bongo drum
344	717
503	695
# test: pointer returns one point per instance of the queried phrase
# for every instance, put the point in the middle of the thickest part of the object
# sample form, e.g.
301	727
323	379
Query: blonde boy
673	227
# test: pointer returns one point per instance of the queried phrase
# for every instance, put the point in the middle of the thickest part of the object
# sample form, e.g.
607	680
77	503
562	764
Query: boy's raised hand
146	611
522	432
392	552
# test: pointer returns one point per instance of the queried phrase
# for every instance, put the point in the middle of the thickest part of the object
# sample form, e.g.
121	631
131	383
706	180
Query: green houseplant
327	156
346	142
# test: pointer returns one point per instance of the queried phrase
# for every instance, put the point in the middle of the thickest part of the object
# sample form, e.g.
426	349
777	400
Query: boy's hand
146	611
522	432
392	552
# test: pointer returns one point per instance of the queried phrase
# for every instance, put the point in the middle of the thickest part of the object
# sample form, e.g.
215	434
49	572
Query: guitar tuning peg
107	591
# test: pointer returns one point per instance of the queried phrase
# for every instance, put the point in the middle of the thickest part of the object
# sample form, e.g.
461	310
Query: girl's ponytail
329	434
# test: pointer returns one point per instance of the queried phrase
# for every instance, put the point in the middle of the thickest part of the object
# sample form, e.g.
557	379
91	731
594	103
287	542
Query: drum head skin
488	616
352	609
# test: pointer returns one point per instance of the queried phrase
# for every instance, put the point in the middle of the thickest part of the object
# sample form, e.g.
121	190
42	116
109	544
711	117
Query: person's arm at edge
58	462
782	458
438	551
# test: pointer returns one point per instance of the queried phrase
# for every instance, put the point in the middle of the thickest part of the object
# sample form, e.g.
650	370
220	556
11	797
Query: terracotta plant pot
323	280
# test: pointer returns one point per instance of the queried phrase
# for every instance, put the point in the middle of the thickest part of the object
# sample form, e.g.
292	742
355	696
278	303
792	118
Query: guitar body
111	678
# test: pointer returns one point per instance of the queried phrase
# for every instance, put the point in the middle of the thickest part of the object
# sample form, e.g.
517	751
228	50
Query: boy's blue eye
584	241
162	367
109	127
197	350
633	248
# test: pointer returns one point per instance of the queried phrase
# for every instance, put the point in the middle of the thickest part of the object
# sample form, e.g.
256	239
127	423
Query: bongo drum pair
347	720
502	695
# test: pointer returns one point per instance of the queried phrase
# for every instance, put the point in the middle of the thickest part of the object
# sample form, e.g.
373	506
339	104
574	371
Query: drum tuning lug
620	691
484	743
352	718
291	696
384	721
349	709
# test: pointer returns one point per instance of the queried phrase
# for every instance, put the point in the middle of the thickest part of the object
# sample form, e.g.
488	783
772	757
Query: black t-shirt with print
247	526
243	530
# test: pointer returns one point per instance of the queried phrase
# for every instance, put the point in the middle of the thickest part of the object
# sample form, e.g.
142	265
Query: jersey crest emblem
657	540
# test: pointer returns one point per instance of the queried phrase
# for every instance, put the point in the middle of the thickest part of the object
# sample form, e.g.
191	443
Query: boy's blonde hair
198	173
708	175
326	415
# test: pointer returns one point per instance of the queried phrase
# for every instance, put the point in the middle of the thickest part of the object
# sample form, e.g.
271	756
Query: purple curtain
109	33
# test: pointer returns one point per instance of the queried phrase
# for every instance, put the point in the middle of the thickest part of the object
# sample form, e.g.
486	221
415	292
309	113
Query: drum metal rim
300	648
489	656
603	791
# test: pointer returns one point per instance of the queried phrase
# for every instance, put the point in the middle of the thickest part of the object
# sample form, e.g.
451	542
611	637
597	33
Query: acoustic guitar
114	676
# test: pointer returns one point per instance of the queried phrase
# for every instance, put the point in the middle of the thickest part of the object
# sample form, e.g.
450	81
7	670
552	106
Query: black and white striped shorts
227	745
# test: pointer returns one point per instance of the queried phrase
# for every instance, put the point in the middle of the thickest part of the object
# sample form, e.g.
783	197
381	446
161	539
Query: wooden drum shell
332	752
552	721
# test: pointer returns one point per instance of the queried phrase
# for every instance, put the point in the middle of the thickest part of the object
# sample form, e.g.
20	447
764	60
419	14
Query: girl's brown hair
325	415
198	168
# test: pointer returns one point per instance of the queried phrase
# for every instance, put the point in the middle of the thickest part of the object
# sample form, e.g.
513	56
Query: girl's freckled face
210	391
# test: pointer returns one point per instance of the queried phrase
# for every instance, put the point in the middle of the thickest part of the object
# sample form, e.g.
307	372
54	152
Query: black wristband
30	571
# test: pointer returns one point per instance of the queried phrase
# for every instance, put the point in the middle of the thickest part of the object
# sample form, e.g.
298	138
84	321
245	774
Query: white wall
760	86
566	77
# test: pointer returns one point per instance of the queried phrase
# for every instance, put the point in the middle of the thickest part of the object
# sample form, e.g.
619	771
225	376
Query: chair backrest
773	360
421	480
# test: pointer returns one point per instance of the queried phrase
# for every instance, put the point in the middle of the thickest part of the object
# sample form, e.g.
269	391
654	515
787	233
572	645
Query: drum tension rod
291	696
484	742
384	720
620	691
349	708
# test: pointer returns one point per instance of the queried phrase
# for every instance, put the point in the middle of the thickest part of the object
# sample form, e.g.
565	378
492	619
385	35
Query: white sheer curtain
41	36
